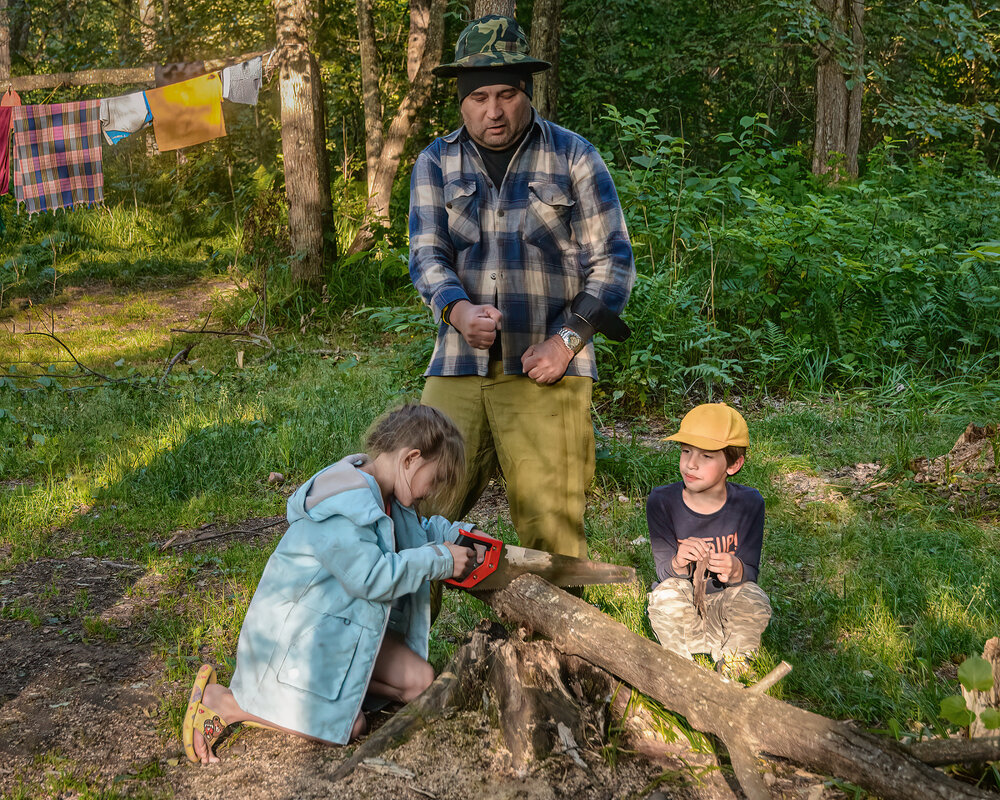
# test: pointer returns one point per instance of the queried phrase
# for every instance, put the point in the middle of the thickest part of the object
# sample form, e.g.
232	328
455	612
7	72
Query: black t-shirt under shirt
737	527
496	163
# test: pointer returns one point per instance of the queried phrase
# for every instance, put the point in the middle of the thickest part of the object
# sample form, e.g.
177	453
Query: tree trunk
323	163
147	35
748	722
301	139
383	149
546	17
504	8
838	108
4	44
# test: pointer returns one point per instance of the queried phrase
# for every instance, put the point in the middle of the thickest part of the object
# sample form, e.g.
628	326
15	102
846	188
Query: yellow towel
187	113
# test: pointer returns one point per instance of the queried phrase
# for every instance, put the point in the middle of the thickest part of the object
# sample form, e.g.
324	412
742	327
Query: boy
704	519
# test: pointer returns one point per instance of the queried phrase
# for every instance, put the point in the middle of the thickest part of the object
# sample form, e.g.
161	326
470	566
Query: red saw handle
491	560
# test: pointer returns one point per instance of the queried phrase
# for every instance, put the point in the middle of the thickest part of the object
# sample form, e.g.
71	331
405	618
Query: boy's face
705	470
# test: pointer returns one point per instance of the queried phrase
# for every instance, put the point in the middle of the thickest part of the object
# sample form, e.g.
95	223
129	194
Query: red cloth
6	120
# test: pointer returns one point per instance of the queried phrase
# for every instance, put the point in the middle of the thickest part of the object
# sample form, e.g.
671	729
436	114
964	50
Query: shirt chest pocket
319	660
547	217
461	201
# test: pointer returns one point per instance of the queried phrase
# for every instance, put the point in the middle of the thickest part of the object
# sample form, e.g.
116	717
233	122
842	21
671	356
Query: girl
342	608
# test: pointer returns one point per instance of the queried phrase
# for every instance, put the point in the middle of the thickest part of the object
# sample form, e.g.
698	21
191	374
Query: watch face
572	339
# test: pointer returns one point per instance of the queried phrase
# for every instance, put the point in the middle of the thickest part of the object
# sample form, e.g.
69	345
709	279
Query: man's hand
477	324
546	362
727	566
690	551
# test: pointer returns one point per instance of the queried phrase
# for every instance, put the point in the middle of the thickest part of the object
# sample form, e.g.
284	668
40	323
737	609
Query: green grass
876	592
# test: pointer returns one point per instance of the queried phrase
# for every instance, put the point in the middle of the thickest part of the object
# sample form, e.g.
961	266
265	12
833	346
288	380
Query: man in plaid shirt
518	244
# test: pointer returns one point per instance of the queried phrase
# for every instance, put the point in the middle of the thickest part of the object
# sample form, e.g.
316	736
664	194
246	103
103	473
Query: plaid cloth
555	230
57	156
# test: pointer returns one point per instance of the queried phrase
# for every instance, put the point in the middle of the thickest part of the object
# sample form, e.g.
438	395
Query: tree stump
978	702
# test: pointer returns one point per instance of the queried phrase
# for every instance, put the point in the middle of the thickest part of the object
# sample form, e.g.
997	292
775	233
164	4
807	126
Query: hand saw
504	562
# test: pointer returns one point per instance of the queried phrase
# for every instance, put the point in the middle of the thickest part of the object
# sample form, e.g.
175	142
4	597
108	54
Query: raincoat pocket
319	660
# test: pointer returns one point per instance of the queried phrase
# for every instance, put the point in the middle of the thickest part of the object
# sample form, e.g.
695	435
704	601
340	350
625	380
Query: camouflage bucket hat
491	41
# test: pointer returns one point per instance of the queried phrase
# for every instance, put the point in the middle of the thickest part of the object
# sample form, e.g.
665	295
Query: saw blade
557	569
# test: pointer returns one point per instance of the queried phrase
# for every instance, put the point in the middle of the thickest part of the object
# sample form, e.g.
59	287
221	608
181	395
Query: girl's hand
465	560
726	566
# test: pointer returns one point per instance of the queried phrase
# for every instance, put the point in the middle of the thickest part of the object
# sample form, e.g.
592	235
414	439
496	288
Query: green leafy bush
759	275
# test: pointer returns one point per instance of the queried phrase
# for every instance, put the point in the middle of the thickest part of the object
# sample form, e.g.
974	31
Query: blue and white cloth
124	115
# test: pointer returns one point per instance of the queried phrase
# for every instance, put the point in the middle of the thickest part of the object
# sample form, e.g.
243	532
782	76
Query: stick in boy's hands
699	580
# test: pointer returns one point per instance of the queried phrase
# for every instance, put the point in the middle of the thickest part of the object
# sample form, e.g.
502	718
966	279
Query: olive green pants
542	439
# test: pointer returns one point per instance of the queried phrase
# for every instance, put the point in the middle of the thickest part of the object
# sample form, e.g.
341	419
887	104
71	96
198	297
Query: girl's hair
428	430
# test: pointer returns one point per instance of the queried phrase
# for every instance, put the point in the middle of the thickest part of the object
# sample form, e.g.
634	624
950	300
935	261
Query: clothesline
58	161
114	77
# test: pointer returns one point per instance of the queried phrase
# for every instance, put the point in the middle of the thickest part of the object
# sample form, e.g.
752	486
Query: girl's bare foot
219	699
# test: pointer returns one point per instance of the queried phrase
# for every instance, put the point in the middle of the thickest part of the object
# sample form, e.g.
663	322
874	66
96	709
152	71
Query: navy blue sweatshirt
737	527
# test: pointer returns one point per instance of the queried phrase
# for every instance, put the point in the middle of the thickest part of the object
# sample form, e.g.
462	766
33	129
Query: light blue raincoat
316	622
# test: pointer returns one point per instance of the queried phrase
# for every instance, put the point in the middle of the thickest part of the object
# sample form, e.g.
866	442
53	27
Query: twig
183	354
177	541
75	359
259	336
771	678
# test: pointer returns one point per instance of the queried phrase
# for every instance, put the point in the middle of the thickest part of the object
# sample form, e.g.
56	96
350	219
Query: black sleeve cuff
591	313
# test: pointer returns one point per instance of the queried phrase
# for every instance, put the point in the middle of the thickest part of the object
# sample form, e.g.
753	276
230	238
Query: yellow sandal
200	716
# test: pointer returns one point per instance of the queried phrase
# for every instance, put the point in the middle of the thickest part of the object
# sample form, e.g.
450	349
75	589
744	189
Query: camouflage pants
733	623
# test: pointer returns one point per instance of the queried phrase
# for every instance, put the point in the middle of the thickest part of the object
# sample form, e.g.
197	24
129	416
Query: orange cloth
187	113
10	98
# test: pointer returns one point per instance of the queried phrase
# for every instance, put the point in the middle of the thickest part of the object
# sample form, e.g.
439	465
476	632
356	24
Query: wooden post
301	140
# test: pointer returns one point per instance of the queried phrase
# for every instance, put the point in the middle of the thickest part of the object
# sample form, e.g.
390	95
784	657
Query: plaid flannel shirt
555	228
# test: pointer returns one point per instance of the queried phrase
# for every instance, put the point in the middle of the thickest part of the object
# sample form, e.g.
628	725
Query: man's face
496	116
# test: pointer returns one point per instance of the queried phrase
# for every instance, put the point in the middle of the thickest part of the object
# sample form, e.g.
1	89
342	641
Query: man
519	246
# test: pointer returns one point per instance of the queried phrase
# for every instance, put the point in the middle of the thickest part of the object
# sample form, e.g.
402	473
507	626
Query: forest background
849	302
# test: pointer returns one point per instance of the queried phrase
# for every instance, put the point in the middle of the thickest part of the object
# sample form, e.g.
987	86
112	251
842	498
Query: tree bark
748	723
4	44
384	148
302	140
504	8
838	109
977	702
546	18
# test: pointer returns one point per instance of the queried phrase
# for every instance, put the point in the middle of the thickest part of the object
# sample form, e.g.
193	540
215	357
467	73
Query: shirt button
447	205
493	276
500	213
347	622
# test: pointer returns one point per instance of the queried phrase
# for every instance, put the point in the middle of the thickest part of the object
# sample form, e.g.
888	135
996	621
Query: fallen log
749	724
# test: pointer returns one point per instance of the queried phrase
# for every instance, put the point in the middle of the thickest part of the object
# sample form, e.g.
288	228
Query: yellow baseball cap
712	426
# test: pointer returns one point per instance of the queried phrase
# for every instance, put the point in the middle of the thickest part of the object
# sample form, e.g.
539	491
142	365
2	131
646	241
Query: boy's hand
727	566
690	551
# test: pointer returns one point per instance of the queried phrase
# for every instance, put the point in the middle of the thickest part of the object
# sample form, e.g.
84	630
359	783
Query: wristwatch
571	339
